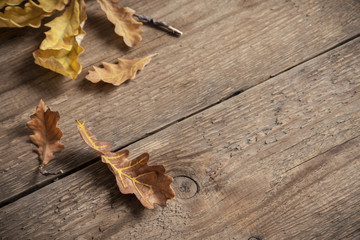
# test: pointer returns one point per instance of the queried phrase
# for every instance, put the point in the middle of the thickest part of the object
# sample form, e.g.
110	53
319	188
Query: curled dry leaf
60	49
50	6
16	16
122	17
30	14
118	73
149	183
46	135
4	3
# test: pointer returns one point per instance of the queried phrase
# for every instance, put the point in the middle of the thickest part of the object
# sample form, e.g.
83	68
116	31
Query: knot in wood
185	187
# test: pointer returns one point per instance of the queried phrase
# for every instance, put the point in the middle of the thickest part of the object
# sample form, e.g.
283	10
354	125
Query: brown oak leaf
125	25
46	135
117	74
149	183
91	140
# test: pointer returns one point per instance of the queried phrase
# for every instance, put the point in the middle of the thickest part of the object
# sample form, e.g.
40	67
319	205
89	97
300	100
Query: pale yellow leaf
60	61
4	3
60	49
15	16
51	5
63	29
118	73
31	14
125	25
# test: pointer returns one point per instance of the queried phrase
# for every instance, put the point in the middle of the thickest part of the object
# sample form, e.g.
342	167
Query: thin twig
46	173
159	24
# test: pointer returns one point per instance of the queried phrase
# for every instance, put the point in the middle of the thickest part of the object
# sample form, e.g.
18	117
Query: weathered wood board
227	47
279	161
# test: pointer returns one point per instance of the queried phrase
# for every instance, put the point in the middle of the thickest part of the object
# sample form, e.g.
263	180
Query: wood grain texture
279	161
227	46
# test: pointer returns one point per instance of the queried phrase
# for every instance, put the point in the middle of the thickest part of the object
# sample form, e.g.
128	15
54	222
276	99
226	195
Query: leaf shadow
20	130
118	199
98	25
100	87
106	181
35	176
71	159
44	81
24	69
130	201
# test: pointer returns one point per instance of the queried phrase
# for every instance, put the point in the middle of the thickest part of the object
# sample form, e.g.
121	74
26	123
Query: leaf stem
47	173
159	24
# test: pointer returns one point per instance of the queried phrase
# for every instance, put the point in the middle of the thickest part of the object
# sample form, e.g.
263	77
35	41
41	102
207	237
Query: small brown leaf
46	135
149	183
125	25
118	73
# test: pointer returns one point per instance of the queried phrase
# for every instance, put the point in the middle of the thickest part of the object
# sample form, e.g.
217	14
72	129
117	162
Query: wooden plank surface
279	161
228	46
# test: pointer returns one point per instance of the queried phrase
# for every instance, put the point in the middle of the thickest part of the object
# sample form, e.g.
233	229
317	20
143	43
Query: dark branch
159	24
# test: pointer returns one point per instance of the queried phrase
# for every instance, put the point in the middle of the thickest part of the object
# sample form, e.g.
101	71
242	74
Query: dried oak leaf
30	14
149	183
118	73
60	50
46	135
125	25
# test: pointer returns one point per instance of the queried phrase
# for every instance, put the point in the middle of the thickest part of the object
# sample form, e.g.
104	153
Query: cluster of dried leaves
60	49
59	52
149	183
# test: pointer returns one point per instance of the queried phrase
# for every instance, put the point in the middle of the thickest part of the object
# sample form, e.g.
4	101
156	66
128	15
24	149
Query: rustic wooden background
255	112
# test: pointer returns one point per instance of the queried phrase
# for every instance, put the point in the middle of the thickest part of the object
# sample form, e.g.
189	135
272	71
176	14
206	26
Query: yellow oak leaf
125	25
118	73
61	61
149	183
4	3
61	48
31	14
15	16
50	6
